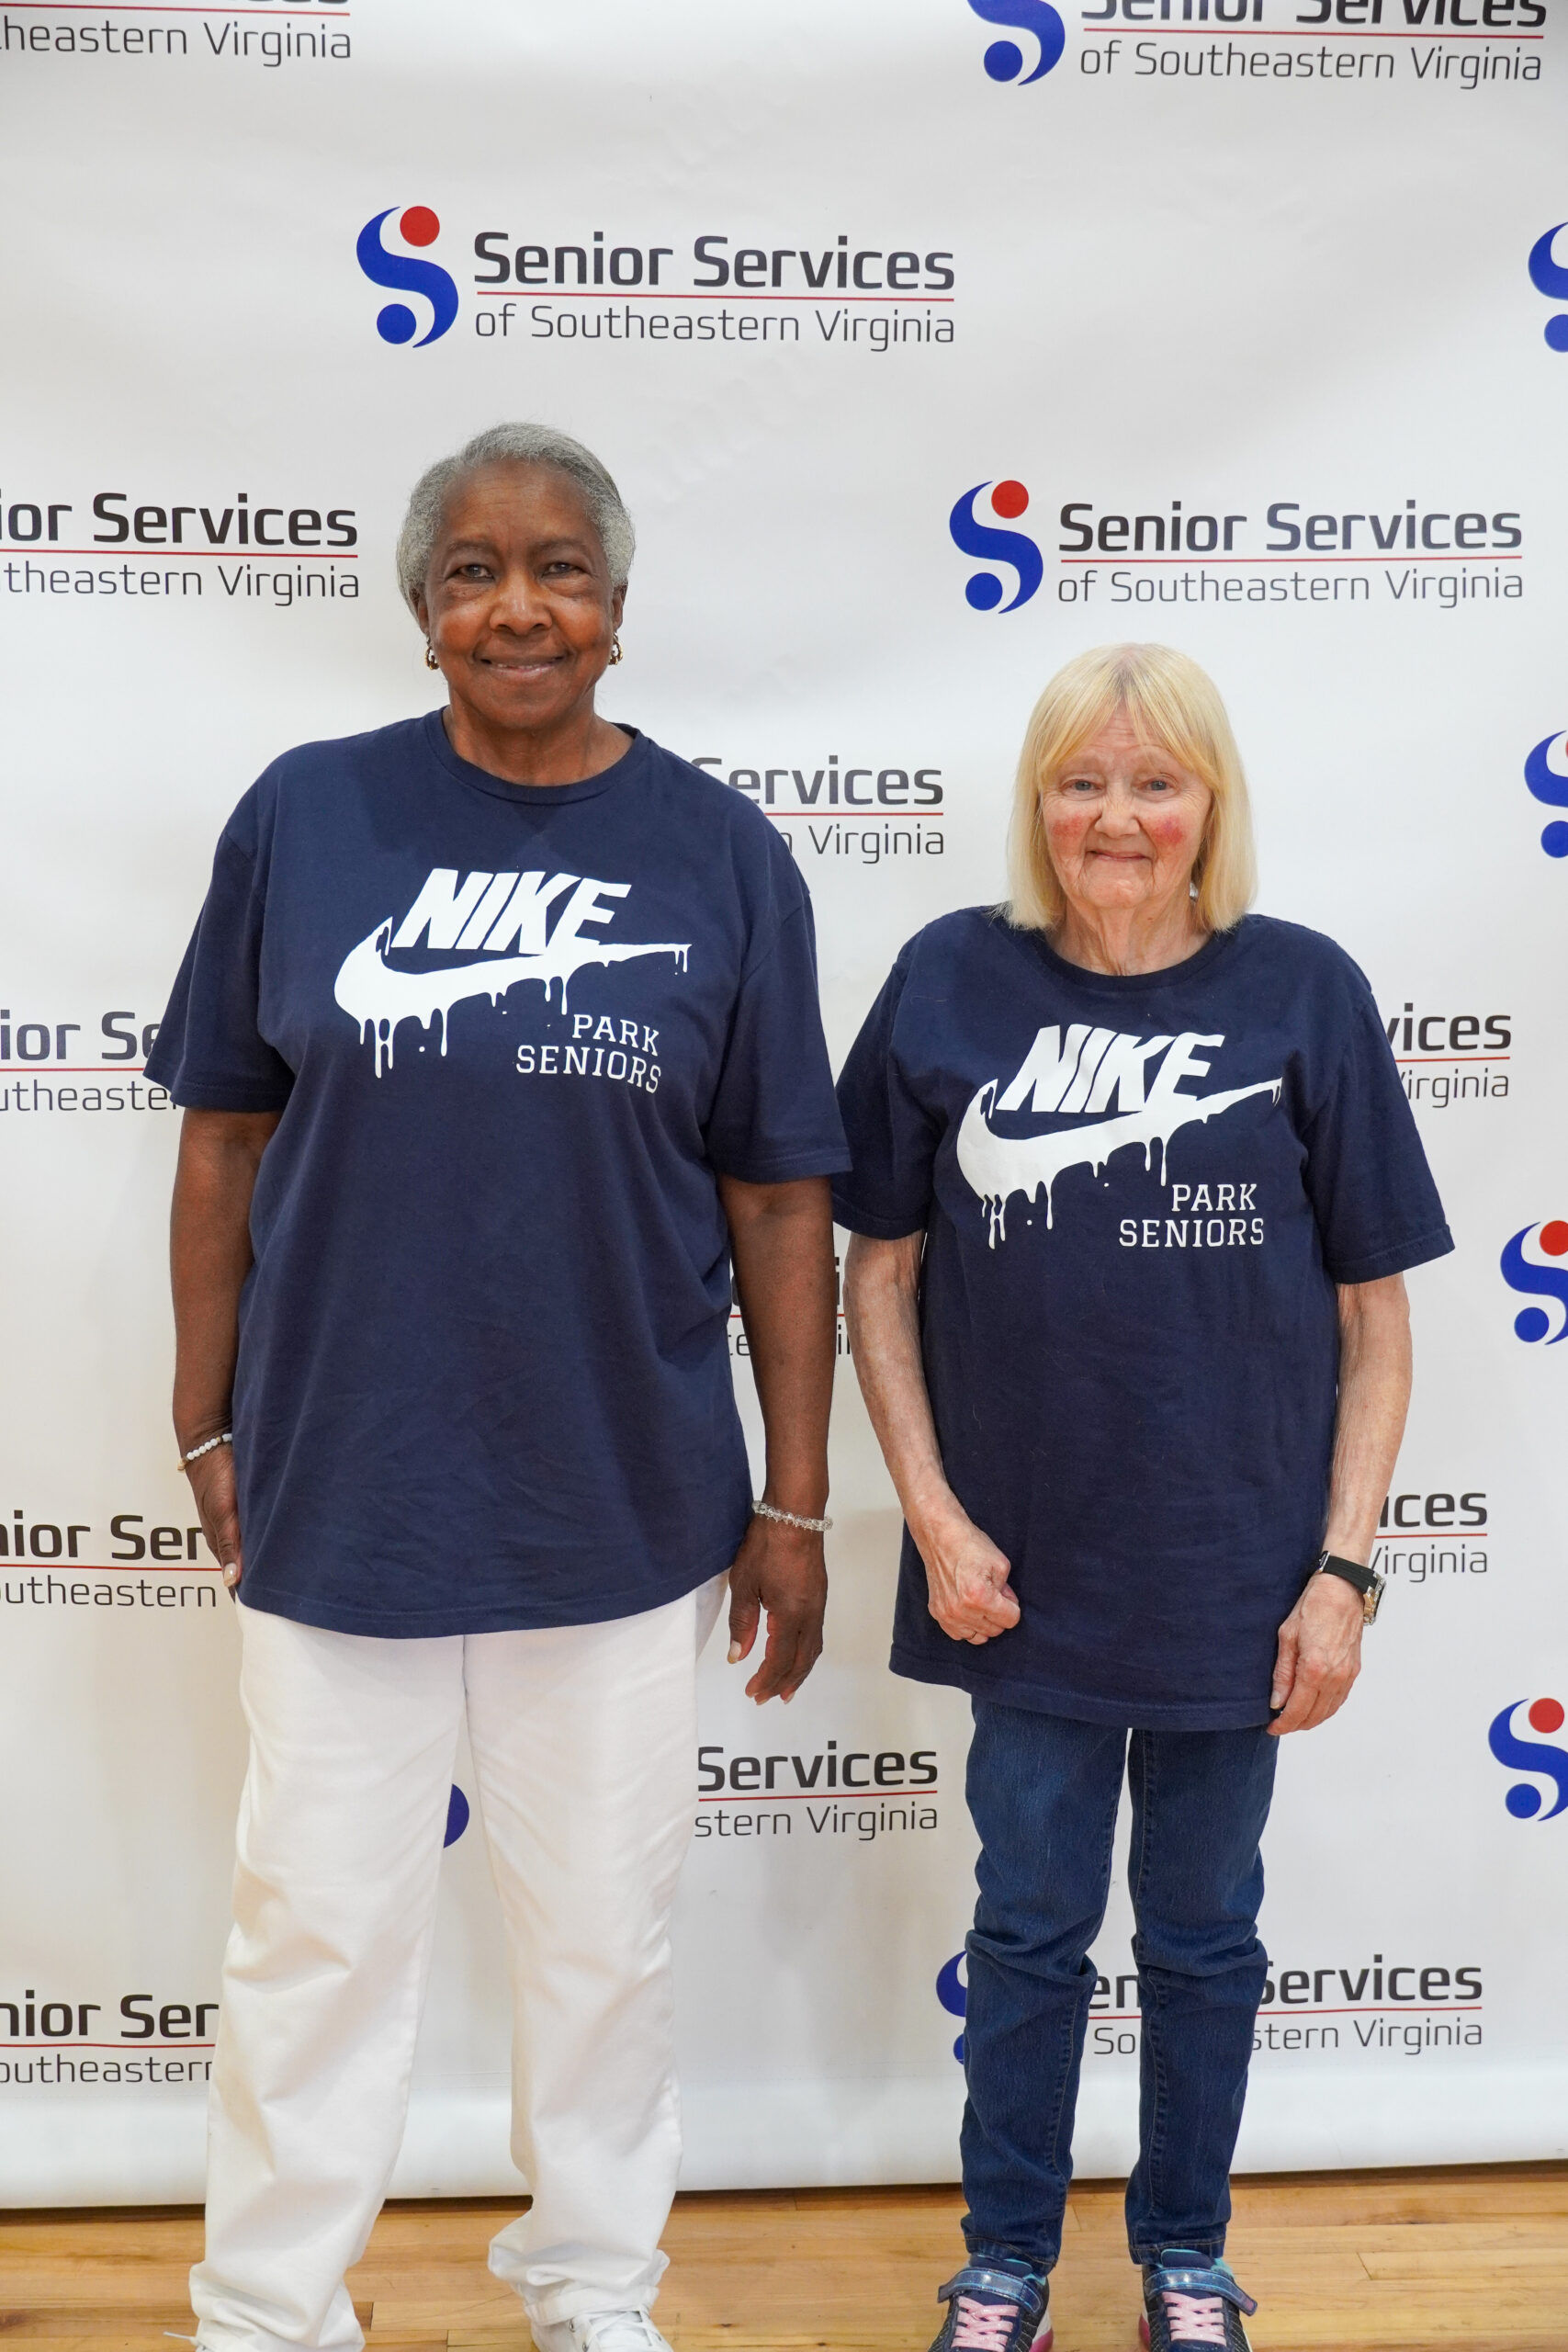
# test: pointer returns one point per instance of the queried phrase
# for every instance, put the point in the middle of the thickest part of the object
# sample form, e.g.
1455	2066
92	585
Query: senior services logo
1549	1763
395	322
983	590
1004	61
1537	1280
1549	277
1549	782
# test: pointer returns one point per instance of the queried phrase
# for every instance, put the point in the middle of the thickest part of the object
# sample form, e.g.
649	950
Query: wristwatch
1367	1581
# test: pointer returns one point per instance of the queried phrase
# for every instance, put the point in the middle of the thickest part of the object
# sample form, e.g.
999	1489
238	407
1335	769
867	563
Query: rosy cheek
1066	825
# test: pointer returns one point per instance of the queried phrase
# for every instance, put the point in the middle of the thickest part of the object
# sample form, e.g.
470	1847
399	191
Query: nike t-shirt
1137	1196
515	1034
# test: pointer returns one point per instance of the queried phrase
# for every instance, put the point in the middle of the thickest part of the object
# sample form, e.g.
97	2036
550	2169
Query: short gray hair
530	445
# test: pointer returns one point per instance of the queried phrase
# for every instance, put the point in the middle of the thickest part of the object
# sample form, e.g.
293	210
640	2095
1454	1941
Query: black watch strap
1367	1581
1329	1564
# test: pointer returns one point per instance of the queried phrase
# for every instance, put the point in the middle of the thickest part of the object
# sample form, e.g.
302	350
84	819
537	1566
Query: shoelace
982	2327
1194	2319
630	2331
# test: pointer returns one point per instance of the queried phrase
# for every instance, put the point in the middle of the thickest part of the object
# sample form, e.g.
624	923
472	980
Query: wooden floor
1452	2261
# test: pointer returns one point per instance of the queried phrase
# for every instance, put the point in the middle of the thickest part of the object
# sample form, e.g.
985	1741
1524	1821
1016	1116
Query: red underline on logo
1358	2009
126	2049
854	808
178	8
1406	1059
68	1069
1405	554
120	1568
1374	2009
810	1796
673	294
1311	32
123	547
1465	1534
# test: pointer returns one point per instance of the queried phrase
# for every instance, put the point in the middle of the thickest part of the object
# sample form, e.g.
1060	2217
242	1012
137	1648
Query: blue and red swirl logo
1548	276
1548	785
1005	61
417	225
1538	1276
1516	1754
1013	550
952	1992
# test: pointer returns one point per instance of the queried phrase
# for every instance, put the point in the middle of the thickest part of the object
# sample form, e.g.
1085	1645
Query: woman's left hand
1319	1655
780	1570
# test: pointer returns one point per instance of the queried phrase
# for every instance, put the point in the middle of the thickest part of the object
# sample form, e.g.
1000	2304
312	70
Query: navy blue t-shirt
516	1033
1139	1194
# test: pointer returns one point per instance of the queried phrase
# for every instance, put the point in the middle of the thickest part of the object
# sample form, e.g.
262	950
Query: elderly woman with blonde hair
1135	1186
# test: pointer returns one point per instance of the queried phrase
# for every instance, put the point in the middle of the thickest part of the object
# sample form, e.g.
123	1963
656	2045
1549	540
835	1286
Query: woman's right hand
966	1577
209	1257
213	1490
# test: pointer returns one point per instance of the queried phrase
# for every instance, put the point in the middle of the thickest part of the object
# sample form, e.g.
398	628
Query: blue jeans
1044	1792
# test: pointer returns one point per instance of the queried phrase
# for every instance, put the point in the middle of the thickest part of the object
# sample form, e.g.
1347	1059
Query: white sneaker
630	2331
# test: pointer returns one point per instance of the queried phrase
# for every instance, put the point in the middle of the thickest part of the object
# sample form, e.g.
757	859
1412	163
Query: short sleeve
892	1140
1366	1174
773	1116
209	1051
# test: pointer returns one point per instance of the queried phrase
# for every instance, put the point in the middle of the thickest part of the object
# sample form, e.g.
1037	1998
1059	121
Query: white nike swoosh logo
377	998
995	1167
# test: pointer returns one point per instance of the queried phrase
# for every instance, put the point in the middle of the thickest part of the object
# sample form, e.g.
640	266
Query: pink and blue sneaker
1192	2303
995	2307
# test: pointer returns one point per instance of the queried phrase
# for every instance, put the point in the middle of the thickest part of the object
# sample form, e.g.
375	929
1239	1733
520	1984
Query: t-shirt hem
1436	1242
855	1219
197	1095
781	1167
519	1617
1039	1698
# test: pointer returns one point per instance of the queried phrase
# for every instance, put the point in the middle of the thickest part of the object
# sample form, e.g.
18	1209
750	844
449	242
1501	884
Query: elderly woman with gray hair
498	1043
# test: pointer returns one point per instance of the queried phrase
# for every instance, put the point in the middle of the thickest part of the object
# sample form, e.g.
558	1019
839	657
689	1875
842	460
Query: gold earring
429	660
615	649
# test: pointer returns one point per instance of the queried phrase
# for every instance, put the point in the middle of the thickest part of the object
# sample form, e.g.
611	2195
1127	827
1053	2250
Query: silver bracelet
792	1519
224	1437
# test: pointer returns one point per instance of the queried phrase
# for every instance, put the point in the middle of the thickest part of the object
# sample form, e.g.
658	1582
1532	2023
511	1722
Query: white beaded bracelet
792	1519
224	1437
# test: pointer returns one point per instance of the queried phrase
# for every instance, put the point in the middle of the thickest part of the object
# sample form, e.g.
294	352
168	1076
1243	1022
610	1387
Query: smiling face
1125	824
517	601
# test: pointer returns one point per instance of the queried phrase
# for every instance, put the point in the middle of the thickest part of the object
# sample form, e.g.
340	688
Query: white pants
583	1740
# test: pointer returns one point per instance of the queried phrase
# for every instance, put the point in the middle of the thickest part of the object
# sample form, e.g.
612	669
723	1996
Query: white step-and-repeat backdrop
931	341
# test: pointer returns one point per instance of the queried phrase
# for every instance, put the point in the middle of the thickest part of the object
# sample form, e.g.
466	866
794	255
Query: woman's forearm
1319	1653
1374	1396
881	1306
968	1586
782	1241
210	1256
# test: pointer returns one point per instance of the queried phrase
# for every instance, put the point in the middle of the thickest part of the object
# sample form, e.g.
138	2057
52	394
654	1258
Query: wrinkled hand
781	1570
1319	1655
213	1492
966	1578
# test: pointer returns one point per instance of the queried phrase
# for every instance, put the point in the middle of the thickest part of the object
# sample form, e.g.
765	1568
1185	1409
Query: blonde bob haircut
1174	706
